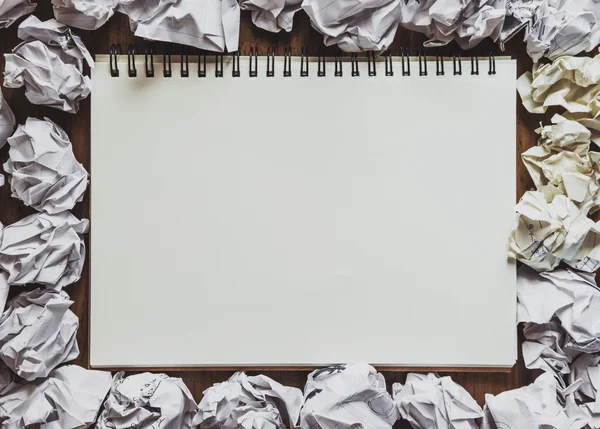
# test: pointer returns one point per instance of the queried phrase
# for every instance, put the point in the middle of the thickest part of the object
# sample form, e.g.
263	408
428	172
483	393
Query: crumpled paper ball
553	28
208	25
7	122
142	10
38	333
428	401
272	15
572	83
4	288
84	14
147	401
559	28
548	232
546	348
569	82
566	166
355	26
45	249
546	403
587	369
54	34
347	396
567	296
564	134
49	64
70	398
255	402
11	10
8	380
44	173
467	22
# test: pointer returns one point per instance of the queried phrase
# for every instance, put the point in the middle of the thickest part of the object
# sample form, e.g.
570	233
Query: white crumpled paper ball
44	173
355	26
249	402
466	22
347	396
38	333
70	398
11	10
7	121
45	249
272	15
49	64
429	401
147	401
84	14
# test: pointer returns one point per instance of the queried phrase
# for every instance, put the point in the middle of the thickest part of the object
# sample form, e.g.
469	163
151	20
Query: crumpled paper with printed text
554	28
548	232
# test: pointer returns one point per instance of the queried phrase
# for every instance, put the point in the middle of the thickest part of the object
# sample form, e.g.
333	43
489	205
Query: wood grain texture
78	128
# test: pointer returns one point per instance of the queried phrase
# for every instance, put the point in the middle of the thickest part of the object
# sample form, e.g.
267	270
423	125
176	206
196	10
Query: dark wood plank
78	128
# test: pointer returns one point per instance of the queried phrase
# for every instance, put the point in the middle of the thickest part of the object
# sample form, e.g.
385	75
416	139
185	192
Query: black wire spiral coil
132	51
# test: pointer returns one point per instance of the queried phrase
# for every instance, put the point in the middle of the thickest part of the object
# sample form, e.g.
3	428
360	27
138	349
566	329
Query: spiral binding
371	64
185	65
287	62
422	63
304	62
115	51
389	69
218	65
167	63
270	62
474	65
149	65
354	61
439	65
202	65
132	51
492	64
457	65
404	53
253	55
321	72
338	66
235	72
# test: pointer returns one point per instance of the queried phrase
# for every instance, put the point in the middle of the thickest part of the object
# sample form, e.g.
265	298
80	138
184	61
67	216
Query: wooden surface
78	128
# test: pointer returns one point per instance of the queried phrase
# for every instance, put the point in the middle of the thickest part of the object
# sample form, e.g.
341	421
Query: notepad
302	220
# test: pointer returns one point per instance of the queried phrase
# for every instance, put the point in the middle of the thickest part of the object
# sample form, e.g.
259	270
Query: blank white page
302	220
